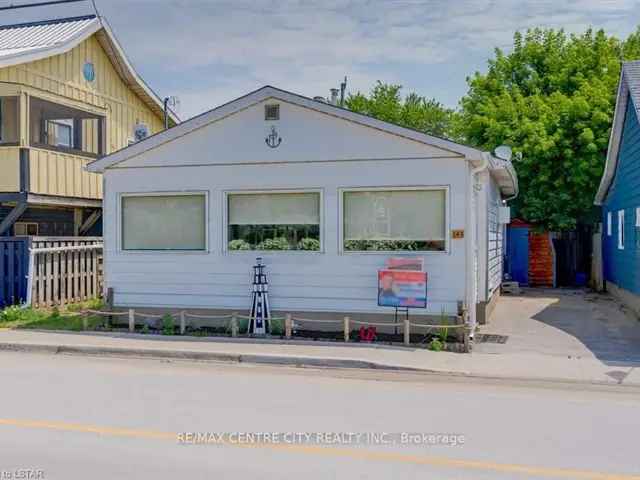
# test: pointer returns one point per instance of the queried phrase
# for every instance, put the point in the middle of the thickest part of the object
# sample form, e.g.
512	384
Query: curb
285	360
291	361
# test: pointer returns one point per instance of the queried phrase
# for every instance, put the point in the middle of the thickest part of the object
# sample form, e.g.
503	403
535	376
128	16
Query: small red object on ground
367	334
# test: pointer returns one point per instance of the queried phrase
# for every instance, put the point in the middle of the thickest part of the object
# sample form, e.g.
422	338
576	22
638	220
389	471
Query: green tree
552	99
419	113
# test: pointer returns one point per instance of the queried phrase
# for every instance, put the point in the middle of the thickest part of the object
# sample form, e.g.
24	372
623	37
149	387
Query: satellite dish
140	132
503	152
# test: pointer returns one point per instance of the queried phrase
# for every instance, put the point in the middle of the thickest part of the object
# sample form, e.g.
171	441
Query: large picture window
164	222
394	220
274	221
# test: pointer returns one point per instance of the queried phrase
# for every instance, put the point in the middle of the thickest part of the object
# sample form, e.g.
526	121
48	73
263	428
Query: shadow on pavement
598	321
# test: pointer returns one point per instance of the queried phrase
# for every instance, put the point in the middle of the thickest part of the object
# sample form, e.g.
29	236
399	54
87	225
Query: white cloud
210	52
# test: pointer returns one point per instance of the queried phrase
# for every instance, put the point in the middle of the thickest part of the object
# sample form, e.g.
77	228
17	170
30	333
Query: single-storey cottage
619	193
324	195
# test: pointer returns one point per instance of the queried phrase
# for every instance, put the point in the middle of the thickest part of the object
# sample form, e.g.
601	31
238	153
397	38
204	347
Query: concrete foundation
484	310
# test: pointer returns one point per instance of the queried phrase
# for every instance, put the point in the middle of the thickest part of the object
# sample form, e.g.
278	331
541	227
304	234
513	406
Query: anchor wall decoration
273	140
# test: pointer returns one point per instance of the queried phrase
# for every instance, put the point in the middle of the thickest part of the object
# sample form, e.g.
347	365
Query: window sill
394	252
270	252
164	252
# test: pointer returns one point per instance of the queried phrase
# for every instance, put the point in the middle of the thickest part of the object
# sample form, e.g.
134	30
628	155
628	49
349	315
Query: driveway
572	323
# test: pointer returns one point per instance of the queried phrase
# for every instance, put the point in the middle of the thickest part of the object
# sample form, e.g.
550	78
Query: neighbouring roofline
628	91
108	40
52	21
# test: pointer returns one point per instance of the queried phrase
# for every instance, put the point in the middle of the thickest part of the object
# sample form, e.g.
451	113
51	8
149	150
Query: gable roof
628	90
503	171
28	42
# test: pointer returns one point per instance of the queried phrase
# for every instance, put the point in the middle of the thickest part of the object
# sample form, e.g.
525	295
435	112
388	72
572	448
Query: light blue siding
622	266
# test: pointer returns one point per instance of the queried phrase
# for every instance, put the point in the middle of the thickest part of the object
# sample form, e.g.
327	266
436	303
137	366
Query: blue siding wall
622	267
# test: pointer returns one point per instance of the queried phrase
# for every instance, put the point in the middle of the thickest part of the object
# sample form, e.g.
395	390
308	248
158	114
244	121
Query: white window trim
61	125
609	224
207	219
225	221
637	217
621	230
447	226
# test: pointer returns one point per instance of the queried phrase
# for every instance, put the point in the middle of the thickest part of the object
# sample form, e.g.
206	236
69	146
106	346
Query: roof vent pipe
334	96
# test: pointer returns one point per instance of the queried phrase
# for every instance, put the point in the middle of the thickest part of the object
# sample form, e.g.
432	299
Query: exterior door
518	254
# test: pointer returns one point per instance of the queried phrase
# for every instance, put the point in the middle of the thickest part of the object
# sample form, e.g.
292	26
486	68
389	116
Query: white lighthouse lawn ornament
260	311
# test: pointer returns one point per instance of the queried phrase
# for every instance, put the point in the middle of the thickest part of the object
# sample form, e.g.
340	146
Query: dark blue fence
14	267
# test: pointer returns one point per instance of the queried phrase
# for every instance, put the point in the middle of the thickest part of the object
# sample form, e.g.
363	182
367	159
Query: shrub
309	244
239	244
436	345
243	325
276	326
279	243
167	324
12	314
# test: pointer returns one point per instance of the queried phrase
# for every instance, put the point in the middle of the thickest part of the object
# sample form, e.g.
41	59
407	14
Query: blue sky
209	52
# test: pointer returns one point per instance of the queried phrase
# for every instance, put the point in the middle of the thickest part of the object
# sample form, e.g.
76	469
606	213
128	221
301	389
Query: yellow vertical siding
62	174
60	78
9	169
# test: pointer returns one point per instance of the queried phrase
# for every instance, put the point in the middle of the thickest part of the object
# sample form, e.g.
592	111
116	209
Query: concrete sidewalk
520	366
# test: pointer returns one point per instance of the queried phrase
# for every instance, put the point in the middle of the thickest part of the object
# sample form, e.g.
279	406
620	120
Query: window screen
164	222
388	220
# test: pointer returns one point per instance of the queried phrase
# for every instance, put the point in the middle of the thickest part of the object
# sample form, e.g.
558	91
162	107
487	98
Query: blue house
619	193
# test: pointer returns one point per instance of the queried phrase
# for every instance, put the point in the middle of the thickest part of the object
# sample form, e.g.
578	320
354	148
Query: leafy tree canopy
386	103
552	99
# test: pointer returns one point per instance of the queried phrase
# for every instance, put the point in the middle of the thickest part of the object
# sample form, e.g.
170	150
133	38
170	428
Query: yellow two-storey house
68	95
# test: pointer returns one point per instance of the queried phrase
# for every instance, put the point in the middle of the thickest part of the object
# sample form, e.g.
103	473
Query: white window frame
620	229
447	225
58	125
637	217
207	219
225	221
609	224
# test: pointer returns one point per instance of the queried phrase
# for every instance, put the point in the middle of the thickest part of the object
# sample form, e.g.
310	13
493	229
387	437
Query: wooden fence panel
65	271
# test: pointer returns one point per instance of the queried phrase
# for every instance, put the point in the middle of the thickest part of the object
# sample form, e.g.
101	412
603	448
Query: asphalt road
72	417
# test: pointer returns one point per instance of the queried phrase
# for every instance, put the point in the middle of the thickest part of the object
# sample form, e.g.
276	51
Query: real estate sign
402	288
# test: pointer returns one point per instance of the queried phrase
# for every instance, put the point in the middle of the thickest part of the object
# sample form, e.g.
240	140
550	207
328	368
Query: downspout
472	242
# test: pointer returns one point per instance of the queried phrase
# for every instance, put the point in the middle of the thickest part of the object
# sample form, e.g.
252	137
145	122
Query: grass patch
50	319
